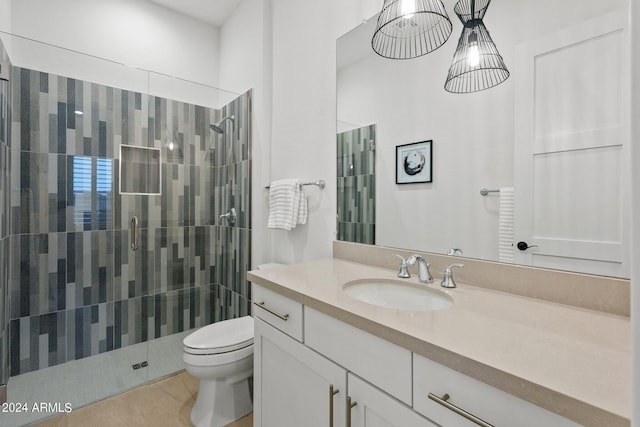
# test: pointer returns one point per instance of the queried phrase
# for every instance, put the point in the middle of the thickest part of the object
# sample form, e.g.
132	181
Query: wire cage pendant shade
410	28
477	65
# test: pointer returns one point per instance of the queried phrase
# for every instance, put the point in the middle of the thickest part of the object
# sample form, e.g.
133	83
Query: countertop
571	361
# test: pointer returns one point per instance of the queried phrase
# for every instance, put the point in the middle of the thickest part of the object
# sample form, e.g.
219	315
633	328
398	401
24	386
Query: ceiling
214	12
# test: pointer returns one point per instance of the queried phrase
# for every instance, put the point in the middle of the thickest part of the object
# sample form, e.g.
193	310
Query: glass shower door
116	245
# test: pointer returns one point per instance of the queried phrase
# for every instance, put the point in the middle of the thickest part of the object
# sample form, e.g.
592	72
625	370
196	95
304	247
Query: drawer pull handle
332	392
284	317
350	405
443	401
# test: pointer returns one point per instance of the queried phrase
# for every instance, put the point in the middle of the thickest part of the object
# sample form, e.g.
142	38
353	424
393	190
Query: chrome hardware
319	183
454	251
444	402
134	233
230	216
350	405
447	278
403	273
486	191
423	268
332	392
284	317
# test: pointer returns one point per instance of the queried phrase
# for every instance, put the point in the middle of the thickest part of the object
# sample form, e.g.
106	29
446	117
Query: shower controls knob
523	246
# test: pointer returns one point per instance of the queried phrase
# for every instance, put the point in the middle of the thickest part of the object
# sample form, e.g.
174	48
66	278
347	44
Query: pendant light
410	28
476	65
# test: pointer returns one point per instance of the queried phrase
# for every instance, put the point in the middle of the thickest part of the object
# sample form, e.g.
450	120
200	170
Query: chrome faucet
447	278
403	273
423	268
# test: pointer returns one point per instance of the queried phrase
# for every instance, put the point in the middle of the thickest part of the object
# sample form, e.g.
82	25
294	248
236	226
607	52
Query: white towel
506	225
302	207
287	204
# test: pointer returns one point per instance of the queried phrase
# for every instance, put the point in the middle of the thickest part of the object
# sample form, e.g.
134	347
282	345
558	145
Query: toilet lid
220	337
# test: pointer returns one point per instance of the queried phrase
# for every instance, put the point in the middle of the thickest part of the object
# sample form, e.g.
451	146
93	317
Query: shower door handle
134	233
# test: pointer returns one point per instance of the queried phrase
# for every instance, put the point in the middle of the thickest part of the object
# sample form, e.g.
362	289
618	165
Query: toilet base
231	402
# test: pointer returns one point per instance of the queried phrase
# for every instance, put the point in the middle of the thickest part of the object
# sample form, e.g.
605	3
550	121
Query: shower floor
81	382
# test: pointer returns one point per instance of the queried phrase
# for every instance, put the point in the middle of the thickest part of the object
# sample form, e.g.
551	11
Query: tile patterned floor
85	381
165	403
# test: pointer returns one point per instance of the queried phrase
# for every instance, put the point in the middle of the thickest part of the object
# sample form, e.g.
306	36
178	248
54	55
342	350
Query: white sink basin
397	294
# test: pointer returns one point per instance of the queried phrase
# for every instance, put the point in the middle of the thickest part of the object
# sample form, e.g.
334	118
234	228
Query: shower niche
139	170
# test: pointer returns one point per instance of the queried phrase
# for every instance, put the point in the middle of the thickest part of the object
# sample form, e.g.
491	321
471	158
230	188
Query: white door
292	384
572	167
373	408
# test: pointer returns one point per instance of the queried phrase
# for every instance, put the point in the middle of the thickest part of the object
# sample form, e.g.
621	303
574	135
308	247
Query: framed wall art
414	162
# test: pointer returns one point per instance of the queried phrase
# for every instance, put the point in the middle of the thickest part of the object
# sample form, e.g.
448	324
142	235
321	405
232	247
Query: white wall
136	33
635	212
5	15
245	63
473	134
304	113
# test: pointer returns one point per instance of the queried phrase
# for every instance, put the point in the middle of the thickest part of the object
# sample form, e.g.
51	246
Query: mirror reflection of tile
356	185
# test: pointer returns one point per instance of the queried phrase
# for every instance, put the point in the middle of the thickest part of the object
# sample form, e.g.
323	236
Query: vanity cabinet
293	385
374	408
385	365
465	395
329	373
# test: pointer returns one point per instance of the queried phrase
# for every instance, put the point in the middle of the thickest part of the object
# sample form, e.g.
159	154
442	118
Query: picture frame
414	162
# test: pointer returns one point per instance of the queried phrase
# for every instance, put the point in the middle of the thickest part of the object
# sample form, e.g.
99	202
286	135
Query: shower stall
116	188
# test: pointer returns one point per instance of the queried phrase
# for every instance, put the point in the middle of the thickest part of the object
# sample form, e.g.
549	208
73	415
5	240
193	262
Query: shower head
218	126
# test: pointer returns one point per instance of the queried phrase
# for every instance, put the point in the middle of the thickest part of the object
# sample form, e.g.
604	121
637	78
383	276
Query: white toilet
221	356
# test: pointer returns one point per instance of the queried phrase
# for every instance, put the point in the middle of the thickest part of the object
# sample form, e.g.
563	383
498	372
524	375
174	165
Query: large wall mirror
552	141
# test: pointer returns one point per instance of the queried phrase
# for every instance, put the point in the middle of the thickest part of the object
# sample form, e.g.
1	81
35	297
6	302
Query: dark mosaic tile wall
76	288
357	185
5	191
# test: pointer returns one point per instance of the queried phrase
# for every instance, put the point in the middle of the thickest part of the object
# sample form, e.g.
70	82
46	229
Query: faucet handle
403	273
453	265
447	277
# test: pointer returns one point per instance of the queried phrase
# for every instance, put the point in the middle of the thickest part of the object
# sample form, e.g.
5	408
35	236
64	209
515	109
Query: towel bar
320	183
484	191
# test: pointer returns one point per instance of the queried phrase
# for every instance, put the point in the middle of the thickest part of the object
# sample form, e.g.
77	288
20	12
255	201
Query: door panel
572	132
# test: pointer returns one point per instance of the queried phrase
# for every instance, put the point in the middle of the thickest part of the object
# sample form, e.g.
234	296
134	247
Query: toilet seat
221	337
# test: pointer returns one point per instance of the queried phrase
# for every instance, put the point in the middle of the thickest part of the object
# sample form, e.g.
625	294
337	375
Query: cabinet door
373	408
292	384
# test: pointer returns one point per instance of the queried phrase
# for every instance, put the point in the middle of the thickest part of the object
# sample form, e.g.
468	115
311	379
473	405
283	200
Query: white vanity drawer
487	403
379	362
279	311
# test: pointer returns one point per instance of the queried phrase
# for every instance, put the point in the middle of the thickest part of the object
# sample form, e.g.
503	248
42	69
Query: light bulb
407	8
474	55
171	146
